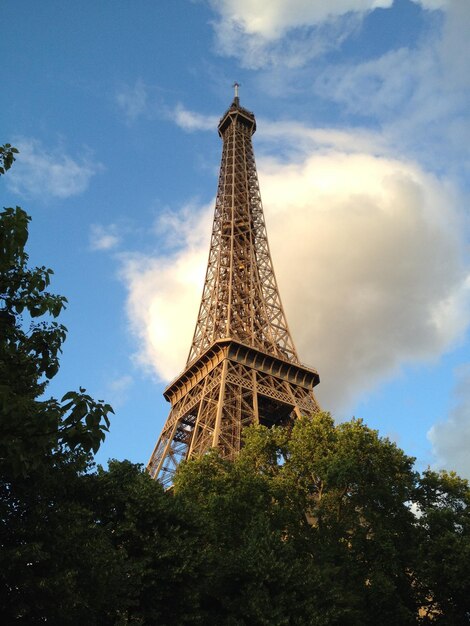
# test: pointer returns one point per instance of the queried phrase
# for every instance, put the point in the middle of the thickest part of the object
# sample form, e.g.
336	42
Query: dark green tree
57	565
102	548
443	550
311	526
34	427
44	442
7	157
356	488
157	542
253	571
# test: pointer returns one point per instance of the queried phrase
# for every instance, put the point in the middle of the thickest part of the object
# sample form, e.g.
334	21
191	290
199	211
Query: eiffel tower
242	366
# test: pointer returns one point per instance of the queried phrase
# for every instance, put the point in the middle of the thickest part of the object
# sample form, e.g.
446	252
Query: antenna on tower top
236	98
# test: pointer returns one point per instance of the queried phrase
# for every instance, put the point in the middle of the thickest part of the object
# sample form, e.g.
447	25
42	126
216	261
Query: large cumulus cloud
368	252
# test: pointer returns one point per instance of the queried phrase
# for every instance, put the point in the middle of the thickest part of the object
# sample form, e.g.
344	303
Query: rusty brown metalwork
242	366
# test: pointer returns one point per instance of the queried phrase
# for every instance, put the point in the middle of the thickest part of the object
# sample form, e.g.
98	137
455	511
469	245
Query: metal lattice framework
242	367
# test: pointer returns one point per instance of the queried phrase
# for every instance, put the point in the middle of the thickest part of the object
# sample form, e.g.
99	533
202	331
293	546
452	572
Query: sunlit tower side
242	366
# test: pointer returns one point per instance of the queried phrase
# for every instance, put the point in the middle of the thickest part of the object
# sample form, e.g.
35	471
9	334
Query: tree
44	442
253	570
443	555
101	548
356	488
156	542
311	526
7	157
30	344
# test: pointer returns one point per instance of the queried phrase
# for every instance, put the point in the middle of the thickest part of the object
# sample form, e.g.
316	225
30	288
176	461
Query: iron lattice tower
242	367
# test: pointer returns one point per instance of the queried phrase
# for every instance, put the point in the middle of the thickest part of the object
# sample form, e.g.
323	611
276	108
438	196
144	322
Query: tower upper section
240	298
236	115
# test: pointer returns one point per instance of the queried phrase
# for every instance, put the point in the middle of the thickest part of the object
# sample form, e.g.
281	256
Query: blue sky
363	111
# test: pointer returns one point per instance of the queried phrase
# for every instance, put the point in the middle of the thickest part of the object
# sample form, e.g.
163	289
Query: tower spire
236	99
242	366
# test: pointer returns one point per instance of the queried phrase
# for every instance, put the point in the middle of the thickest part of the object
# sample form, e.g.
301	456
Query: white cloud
133	101
368	253
377	86
293	139
451	439
141	100
420	96
290	32
380	278
117	390
43	172
271	19
287	137
433	4
255	51
163	292
454	46
190	121
104	237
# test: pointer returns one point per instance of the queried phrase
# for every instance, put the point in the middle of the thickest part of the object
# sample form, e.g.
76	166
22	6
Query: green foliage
31	341
97	548
158	542
251	574
7	156
317	521
57	566
44	520
444	547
